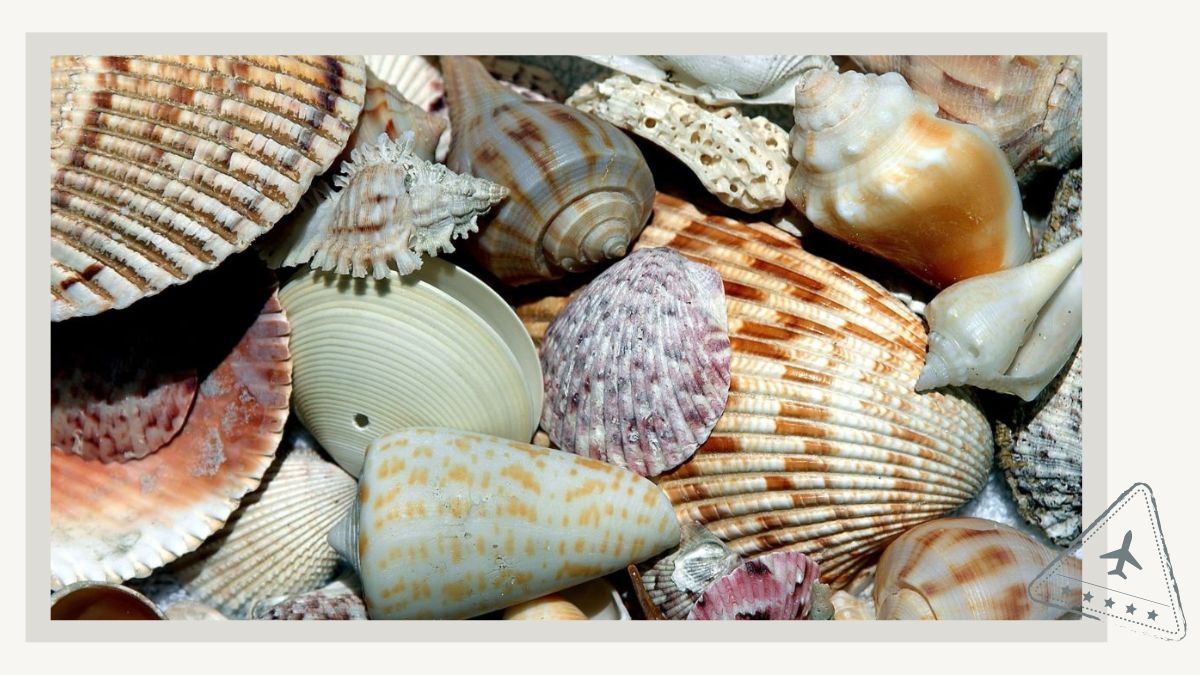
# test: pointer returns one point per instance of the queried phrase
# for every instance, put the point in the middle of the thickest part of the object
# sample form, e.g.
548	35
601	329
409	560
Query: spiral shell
876	168
163	166
637	366
674	583
776	586
966	568
579	189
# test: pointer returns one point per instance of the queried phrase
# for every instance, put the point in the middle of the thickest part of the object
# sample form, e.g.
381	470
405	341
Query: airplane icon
1122	556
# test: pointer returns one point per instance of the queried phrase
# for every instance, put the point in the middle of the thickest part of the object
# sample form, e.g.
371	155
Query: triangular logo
1127	576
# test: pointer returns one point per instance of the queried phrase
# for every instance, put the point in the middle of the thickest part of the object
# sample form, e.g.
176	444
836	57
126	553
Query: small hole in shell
361	421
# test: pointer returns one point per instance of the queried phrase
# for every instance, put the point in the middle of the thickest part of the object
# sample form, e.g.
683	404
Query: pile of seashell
689	364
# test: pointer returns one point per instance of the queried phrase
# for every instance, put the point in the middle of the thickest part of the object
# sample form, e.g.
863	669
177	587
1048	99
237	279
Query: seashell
115	521
741	160
636	368
776	586
674	583
721	80
392	208
598	600
164	166
1009	331
526	76
386	111
190	610
415	78
1031	106
452	525
1066	212
847	607
331	603
965	568
823	447
536	316
551	607
876	168
580	190
437	347
100	601
275	543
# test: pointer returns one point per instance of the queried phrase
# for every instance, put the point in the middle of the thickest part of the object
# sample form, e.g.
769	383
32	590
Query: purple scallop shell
636	368
776	586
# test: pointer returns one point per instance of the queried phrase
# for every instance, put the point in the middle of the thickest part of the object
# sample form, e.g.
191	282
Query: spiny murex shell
163	166
1031	106
391	208
436	347
720	80
579	189
876	168
275	543
636	368
823	448
966	568
1009	331
741	160
452	525
678	580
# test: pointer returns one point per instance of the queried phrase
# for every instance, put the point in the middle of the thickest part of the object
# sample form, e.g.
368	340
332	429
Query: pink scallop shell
776	586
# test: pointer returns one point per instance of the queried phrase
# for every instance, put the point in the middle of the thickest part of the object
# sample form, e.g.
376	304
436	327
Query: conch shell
579	189
877	169
1009	331
762	79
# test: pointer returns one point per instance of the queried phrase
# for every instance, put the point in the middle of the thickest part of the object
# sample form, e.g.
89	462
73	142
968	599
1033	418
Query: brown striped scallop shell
824	447
163	166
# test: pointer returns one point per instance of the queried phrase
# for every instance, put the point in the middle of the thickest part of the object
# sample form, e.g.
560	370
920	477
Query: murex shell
674	583
823	448
722	79
876	168
1031	106
452	525
436	347
163	166
636	368
776	586
579	189
741	160
966	568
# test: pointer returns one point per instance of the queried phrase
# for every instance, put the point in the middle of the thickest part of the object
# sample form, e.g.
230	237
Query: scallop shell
580	190
551	607
776	586
636	368
1031	106
741	160
392	208
436	347
823	448
111	522
1009	331
674	583
965	568
721	80
99	601
275	543
416	78
453	525
163	166
876	168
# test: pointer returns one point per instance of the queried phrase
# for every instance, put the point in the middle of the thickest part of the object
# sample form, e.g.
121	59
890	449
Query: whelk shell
674	583
579	189
774	586
163	166
876	168
722	80
480	523
965	568
636	368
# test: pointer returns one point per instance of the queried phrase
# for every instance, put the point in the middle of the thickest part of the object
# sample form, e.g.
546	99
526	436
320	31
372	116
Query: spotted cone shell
776	586
163	166
637	366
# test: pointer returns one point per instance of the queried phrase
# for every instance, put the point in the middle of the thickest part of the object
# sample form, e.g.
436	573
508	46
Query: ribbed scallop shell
551	607
674	583
966	568
123	520
438	347
776	586
823	448
415	77
163	166
275	543
636	368
579	189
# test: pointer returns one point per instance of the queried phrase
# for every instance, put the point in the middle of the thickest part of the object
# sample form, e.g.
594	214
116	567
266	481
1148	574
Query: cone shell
676	582
579	189
965	568
823	448
111	522
876	168
163	166
452	525
551	607
438	347
637	366
1031	106
275	544
776	586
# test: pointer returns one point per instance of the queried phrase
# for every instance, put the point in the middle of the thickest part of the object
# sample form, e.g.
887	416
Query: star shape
1087	597
1066	590
1108	602
1152	615
1130	609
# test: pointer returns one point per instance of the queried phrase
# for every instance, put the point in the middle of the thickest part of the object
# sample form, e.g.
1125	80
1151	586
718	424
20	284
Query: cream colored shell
741	160
722	79
551	607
